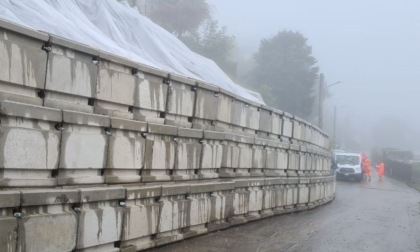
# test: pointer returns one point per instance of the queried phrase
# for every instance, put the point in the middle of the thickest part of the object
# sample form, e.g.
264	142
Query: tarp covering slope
118	29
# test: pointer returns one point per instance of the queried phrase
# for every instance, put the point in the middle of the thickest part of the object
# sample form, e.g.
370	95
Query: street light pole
321	98
335	121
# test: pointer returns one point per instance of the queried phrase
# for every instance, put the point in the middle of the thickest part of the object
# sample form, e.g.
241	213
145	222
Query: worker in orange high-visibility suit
380	169
366	169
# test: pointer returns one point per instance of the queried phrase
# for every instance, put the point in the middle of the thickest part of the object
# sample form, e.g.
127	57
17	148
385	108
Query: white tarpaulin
118	29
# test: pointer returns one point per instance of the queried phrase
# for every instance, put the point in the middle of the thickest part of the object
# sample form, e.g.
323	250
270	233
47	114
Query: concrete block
206	104
255	200
224	113
29	148
199	211
144	192
17	109
19	98
8	233
95	194
303	194
190	133
74	117
22	61
83	154
99	225
140	220
116	83
181	97
125	156
211	159
151	92
287	127
293	158
187	158
71	72
221	208
22	31
46	232
67	104
241	202
9	199
162	129
159	160
122	124
82	150
43	197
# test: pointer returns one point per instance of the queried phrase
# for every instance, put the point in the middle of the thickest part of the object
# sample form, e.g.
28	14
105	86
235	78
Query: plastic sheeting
118	29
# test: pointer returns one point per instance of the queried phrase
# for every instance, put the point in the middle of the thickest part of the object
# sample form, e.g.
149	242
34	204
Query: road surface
367	216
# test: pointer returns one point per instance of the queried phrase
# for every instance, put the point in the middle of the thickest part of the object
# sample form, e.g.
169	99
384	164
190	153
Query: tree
181	16
285	73
214	43
191	22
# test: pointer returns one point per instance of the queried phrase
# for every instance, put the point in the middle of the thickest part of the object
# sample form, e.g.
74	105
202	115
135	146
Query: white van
349	165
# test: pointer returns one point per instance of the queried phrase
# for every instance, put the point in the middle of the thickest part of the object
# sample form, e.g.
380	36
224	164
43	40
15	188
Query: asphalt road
367	216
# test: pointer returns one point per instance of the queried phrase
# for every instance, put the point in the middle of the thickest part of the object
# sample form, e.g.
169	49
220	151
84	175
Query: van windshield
347	160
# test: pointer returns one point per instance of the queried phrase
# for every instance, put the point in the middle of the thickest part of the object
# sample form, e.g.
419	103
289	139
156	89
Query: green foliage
191	22
285	73
214	43
180	16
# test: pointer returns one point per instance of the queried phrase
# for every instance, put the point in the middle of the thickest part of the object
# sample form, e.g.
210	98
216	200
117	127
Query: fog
372	47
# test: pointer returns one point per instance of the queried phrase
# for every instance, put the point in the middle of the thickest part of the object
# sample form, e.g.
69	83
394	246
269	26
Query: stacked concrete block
206	106
47	221
22	63
188	154
160	153
276	159
287	128
303	193
9	203
30	145
297	129
230	158
245	163
151	94
71	75
117	89
221	204
223	121
303	161
87	121
126	149
248	200
269	196
293	160
259	157
174	213
180	101
211	155
141	217
291	194
271	123
245	116
100	218
83	148
314	192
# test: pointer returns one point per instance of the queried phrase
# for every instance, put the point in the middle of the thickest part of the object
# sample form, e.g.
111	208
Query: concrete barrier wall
98	153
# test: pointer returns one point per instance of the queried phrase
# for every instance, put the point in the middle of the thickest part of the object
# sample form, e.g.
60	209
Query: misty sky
372	46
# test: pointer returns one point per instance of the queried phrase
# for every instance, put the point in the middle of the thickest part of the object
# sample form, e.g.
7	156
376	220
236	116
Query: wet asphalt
366	216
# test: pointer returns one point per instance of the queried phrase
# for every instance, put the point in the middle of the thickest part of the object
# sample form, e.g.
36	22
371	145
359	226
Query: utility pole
334	131
320	99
